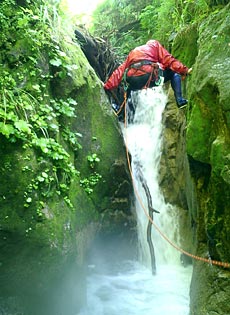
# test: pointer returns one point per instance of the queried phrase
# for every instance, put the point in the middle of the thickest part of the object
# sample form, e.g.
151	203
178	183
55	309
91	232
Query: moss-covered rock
48	218
204	181
182	44
208	88
208	146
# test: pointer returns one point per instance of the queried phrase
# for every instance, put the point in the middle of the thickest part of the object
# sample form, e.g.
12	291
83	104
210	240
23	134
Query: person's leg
168	74
175	79
176	86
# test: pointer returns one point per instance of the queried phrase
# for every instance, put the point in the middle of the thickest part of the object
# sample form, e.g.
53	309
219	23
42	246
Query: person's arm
168	61
115	78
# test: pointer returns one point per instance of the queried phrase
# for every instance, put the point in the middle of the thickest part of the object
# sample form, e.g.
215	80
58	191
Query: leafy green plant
118	22
89	183
93	160
72	138
30	57
126	24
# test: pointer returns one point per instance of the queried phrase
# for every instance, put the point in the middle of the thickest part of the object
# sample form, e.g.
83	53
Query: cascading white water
144	140
129	288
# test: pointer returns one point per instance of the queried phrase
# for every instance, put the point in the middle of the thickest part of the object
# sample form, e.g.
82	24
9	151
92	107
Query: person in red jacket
142	68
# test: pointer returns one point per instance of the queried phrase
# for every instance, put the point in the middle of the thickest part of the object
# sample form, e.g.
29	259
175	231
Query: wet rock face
173	160
195	164
207	137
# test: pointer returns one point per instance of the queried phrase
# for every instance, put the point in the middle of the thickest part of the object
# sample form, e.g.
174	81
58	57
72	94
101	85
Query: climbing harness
156	74
206	260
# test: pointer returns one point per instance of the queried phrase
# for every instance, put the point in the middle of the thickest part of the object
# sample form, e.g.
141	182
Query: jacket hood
150	42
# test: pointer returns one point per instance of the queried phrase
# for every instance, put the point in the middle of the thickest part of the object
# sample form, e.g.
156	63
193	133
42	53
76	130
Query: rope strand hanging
206	260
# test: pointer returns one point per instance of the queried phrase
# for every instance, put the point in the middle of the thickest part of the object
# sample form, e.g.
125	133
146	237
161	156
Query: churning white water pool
128	287
133	290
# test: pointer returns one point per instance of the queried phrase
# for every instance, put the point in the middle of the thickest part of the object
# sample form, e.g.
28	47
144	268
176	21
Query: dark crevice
200	170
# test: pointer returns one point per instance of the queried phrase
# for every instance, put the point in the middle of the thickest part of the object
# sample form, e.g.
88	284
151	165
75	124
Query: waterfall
127	286
143	137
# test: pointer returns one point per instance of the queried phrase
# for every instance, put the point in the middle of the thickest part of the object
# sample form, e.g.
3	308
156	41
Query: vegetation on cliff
55	153
126	23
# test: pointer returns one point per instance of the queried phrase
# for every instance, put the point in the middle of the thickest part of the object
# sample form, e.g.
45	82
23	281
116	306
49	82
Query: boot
176	86
115	107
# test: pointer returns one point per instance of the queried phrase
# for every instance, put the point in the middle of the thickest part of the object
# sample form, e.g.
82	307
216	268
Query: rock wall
197	153
51	202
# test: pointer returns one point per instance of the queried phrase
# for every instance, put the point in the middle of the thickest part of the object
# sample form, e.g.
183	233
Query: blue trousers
175	79
138	82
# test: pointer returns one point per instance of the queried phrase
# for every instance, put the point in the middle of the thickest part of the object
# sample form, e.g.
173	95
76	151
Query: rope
122	105
206	260
155	68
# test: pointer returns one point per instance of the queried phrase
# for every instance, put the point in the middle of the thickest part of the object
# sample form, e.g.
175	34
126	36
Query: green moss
207	140
182	44
80	73
219	156
198	132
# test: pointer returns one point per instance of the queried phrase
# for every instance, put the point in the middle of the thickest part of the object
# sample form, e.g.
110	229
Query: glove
183	77
189	71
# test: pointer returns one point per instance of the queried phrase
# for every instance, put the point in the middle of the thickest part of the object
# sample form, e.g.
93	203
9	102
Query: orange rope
122	105
206	260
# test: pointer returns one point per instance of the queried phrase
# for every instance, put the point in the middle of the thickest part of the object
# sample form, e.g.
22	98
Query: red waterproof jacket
152	51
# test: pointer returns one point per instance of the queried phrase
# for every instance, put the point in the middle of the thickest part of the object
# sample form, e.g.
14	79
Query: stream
117	285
